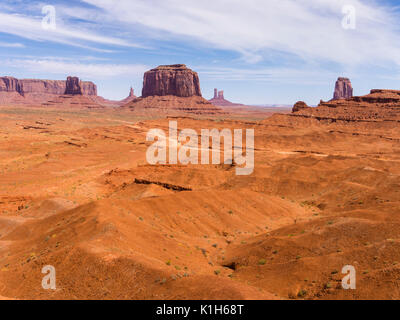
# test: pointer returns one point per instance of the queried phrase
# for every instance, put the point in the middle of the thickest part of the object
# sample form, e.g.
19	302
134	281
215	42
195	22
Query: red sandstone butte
343	89
174	80
172	90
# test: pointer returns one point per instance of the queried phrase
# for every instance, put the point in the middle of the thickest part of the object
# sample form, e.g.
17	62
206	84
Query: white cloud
31	28
82	69
309	29
11	45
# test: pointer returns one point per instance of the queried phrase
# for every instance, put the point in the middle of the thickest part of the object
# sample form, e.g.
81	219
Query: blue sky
258	51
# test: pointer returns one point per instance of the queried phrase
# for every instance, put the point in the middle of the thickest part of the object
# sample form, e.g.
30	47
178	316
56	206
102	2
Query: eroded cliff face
9	84
41	86
174	80
37	86
89	88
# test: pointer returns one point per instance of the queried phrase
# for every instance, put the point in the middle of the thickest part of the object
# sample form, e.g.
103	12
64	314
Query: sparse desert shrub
328	285
302	293
262	262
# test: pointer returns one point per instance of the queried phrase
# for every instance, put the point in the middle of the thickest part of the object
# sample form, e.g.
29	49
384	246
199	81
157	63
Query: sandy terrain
78	194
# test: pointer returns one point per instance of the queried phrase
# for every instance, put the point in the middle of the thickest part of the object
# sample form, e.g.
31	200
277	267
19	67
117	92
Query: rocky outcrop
300	105
174	80
73	86
378	106
343	89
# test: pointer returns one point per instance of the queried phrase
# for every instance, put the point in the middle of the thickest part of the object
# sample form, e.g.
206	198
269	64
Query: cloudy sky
258	51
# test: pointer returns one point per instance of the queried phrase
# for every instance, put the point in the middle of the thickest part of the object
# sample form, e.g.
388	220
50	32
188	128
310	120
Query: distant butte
343	89
130	98
219	100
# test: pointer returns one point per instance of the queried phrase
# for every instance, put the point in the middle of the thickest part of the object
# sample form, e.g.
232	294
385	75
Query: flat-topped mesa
343	89
43	87
173	80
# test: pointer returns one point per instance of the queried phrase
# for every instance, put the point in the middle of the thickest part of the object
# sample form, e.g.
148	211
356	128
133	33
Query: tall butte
343	89
172	89
175	80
